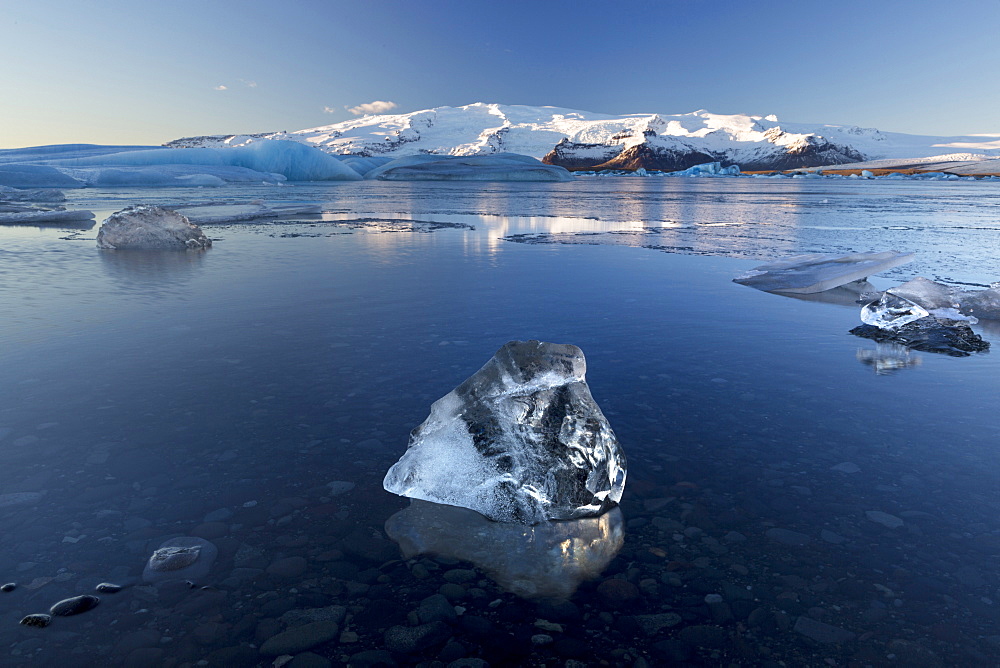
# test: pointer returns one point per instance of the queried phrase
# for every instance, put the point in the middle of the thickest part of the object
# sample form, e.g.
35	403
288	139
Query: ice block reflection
547	560
887	358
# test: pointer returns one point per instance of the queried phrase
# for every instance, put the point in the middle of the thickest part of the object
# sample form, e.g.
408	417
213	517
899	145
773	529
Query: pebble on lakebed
108	588
39	620
74	606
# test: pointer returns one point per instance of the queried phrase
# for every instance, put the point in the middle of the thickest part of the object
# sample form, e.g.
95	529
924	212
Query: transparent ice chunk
522	440
891	312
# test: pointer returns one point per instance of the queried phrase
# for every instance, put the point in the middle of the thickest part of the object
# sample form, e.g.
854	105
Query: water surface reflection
543	561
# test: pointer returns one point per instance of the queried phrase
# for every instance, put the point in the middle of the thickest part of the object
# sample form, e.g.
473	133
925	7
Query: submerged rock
145	227
522	440
816	272
74	606
928	334
186	558
38	619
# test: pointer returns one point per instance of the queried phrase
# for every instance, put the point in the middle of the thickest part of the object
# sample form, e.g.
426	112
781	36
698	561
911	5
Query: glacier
816	272
521	440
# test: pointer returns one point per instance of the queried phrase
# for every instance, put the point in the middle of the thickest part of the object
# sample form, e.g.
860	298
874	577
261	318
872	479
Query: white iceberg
146	227
493	167
816	272
522	440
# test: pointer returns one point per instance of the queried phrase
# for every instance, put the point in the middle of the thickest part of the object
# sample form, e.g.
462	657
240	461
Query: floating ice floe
708	169
547	560
146	227
495	167
228	212
816	272
19	206
522	440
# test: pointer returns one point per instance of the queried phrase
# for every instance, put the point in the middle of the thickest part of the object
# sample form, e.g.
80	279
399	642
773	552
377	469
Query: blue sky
145	72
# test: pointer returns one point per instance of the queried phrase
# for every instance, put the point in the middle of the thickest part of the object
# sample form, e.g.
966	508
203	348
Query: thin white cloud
248	84
376	107
330	110
221	88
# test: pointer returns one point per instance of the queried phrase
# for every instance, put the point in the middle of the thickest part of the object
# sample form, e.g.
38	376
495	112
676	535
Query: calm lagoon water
785	502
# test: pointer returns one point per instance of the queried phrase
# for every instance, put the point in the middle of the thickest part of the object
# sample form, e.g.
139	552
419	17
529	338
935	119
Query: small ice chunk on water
522	440
184	558
891	312
816	272
147	227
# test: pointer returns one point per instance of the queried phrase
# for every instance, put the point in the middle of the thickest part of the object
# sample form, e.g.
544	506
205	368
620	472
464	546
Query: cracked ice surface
522	440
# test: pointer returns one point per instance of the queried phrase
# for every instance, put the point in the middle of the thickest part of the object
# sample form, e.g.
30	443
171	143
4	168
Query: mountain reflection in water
547	560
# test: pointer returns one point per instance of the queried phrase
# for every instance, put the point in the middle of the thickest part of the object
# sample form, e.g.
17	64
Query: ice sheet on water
522	440
816	272
891	312
547	560
494	167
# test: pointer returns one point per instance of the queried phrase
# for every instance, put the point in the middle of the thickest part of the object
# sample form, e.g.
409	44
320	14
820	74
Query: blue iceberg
495	167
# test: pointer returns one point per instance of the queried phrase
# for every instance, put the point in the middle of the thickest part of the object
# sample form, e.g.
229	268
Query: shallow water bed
784	503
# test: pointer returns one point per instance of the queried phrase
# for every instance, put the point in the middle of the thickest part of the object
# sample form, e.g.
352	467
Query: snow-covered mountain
584	140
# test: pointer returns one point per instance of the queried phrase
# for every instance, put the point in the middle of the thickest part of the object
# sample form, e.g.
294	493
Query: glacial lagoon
795	494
